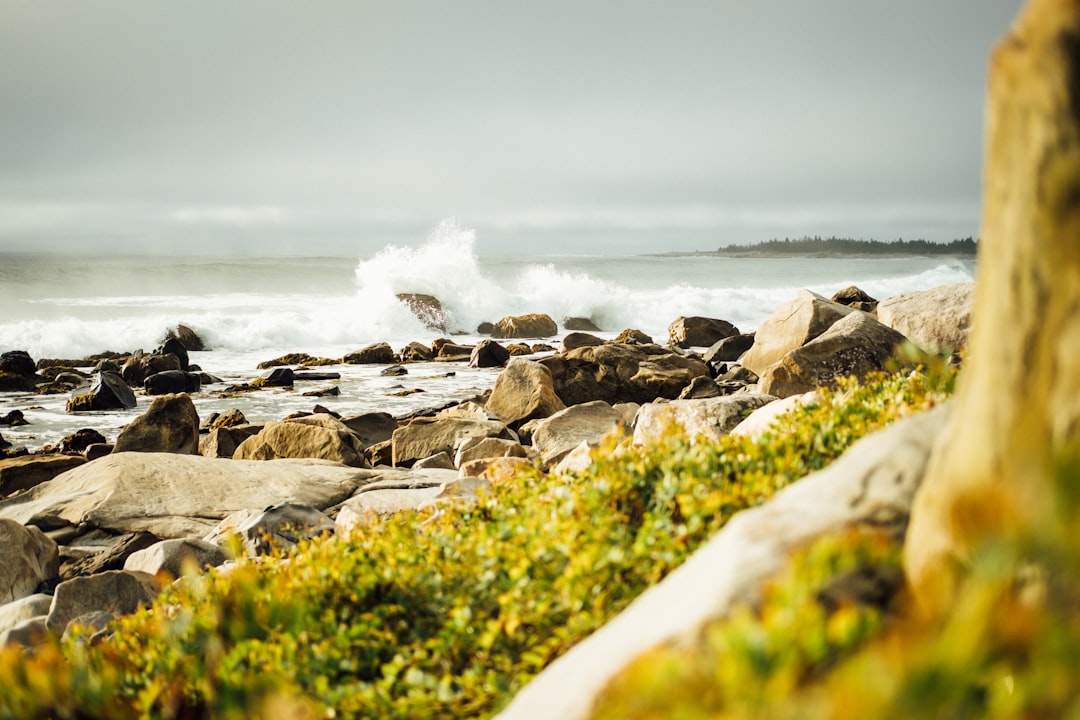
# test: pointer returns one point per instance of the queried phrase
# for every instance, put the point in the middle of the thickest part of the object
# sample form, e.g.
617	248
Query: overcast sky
578	126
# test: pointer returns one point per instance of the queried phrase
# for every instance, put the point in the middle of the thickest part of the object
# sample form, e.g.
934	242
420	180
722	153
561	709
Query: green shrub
443	613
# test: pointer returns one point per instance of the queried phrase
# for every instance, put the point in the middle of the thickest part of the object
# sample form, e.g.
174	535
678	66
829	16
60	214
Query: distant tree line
845	246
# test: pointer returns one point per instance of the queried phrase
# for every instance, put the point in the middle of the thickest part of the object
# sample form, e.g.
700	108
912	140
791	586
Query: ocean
250	309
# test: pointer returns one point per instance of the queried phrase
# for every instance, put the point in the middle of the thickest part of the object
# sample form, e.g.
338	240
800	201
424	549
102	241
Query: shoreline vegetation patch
447	613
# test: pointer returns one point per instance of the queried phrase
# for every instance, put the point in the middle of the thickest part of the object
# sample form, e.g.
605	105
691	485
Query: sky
607	126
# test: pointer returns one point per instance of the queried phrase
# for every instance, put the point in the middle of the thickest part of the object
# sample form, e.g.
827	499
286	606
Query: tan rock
170	424
937	320
535	325
23	473
523	391
708	419
556	436
424	437
791	326
119	592
27	557
315	436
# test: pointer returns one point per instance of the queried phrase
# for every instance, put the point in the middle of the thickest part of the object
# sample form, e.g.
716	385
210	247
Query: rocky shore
94	529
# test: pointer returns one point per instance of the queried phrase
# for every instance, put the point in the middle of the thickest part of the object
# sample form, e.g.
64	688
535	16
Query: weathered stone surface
392	492
791	326
140	366
179	495
937	320
111	558
31	606
27	634
117	591
18	362
621	373
479	448
495	470
27	556
576	340
580	323
699	388
708	419
438	461
557	435
277	377
80	440
279	527
23	473
173	381
487	354
379	353
173	346
632	336
170	424
108	392
428	309
230	418
523	391
758	422
854	345
415	352
872	484
372	428
221	442
696	331
729	349
535	325
425	437
187	337
315	436
175	555
854	297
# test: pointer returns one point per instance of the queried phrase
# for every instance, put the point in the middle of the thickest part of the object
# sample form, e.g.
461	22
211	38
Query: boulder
761	420
453	351
523	391
170	425
230	418
478	448
279	527
415	352
187	337
119	592
14	418
277	377
438	461
28	634
31	606
424	437
581	324
222	442
855	345
394	371
314	436
708	419
175	556
485	328
729	349
428	308
491	470
173	346
27	557
108	392
872	485
616	372
174	495
392	492
372	428
630	336
791	326
701	387
855	298
937	320
556	436
111	558
18	362
140	366
173	381
488	354
696	331
27	471
377	354
535	325
576	340
80	440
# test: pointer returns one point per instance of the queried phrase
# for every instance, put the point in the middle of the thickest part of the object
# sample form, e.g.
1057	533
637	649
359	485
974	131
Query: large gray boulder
119	592
174	556
424	437
872	484
937	320
23	473
556	436
523	391
791	326
707	419
170	424
180	495
27	557
854	345
314	436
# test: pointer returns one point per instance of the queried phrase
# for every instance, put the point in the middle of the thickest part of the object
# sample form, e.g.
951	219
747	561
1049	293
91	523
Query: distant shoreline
770	254
834	247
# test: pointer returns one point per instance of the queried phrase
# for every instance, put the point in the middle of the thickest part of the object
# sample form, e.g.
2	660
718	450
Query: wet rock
173	346
14	419
170	424
581	324
696	331
278	377
109	392
394	371
172	381
534	325
377	354
416	352
428	308
141	366
488	354
187	337
575	340
78	441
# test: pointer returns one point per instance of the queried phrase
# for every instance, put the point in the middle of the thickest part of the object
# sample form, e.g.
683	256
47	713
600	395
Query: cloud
231	216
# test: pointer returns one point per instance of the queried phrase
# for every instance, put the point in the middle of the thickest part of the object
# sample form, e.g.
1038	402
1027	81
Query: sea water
251	309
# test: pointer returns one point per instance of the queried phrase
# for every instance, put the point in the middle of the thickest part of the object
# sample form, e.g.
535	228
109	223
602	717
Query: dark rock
320	376
377	354
700	387
170	425
18	362
14	419
487	354
428	309
729	349
856	298
173	346
109	392
98	450
630	336
372	428
575	340
111	558
141	366
79	440
534	325
230	418
698	331
4	443
324	392
453	351
278	377
295	359
172	381
485	328
187	337
578	323
394	371
415	352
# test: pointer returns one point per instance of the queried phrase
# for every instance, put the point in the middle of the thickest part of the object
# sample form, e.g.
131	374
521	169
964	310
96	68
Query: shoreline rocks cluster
93	531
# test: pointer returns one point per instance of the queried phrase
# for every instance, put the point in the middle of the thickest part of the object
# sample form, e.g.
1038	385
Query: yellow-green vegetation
448	613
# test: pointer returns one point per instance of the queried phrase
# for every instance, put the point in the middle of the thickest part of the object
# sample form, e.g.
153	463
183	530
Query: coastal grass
448	612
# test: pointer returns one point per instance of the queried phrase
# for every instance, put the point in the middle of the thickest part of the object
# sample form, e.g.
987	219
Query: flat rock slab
395	491
23	473
874	482
707	418
176	496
